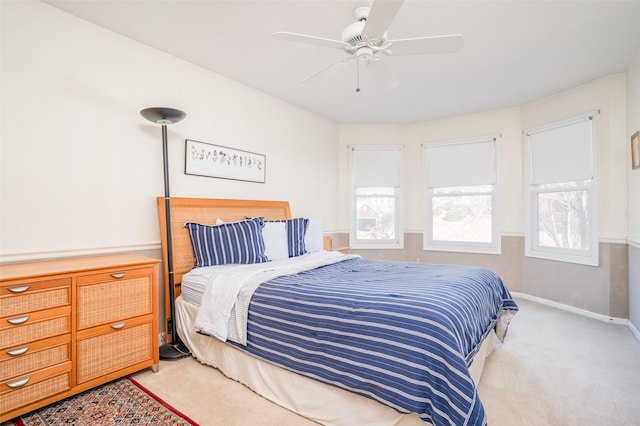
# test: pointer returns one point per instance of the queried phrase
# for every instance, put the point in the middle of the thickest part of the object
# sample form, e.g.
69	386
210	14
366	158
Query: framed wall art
205	159
635	151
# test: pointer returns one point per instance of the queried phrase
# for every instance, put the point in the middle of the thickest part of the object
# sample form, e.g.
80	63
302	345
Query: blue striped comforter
403	334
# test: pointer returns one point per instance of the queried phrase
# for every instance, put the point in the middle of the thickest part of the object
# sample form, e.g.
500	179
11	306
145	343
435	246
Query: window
461	196
561	192
375	208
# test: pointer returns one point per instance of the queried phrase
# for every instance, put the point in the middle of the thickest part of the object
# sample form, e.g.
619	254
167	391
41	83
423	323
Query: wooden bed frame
205	211
271	382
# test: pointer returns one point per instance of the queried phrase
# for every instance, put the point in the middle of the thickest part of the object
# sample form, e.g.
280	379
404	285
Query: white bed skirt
314	400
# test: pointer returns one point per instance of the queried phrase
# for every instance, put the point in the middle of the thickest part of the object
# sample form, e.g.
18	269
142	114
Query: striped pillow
236	242
296	230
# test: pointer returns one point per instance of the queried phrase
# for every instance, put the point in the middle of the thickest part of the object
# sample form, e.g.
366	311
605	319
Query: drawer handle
117	274
18	351
19	320
118	325
20	289
18	383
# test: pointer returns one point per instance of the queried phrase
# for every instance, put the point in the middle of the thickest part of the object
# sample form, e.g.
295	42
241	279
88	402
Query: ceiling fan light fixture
364	53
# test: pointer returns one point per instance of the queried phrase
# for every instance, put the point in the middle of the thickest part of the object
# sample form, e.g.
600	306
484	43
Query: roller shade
377	166
460	164
562	153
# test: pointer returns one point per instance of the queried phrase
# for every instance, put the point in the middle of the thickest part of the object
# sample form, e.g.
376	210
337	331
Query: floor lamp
165	116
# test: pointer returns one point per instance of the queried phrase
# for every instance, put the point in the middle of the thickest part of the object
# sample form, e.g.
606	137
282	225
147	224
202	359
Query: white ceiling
515	51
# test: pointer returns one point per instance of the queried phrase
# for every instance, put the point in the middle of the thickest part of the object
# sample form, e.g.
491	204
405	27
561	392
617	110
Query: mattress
195	282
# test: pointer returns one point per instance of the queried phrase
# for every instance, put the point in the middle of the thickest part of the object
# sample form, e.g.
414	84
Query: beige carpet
559	368
555	368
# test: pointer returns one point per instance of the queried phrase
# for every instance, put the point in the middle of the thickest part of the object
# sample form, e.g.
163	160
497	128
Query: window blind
460	164
562	153
377	166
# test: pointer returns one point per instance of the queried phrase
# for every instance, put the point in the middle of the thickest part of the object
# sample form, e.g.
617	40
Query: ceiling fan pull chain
357	75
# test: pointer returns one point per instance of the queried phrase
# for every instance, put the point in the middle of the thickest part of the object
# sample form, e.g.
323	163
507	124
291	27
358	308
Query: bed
291	328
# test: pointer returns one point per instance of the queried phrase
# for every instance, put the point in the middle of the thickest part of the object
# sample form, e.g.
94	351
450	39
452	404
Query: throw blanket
403	334
225	301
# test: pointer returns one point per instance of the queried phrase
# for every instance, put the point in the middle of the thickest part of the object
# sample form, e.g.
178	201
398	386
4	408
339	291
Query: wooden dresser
71	324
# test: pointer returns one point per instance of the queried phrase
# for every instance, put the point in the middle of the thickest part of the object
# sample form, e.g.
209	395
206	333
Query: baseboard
634	330
583	312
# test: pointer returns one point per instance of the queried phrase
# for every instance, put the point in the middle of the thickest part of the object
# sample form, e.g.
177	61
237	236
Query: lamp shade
161	115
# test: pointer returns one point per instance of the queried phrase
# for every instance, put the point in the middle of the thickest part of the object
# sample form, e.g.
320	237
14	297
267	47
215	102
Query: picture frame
635	150
217	161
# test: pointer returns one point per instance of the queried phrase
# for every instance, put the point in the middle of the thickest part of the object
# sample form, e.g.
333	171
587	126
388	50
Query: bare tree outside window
563	218
462	214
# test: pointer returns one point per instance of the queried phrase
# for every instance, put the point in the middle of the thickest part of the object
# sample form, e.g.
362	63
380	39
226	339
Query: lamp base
174	352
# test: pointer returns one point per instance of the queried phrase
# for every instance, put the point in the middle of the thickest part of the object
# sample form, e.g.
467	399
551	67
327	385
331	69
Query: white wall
633	125
80	168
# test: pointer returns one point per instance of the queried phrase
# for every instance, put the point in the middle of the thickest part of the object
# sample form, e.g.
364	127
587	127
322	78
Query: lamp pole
165	116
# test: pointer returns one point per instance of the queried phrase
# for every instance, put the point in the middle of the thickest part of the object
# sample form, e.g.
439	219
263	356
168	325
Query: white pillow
276	246
313	239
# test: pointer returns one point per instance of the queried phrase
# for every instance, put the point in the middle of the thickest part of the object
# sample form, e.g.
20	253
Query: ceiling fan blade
380	17
331	68
302	38
422	45
382	74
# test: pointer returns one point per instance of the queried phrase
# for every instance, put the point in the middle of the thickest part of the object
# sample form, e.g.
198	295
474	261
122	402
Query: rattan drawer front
114	274
40	385
28	297
104	354
106	302
37	326
27	358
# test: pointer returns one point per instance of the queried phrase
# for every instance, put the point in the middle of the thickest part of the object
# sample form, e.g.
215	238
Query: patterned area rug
122	402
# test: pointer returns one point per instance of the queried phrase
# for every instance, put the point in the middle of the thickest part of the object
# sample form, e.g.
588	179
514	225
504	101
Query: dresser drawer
28	389
34	356
25	297
114	349
109	297
25	328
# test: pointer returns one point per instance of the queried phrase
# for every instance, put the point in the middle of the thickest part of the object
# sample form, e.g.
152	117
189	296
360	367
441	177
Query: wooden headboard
205	211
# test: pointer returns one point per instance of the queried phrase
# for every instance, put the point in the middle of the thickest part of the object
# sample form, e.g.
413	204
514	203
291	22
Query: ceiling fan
365	41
